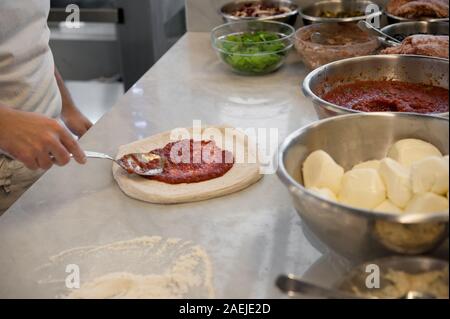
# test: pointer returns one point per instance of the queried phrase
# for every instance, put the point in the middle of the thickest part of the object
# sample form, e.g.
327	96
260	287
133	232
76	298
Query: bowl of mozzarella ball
371	184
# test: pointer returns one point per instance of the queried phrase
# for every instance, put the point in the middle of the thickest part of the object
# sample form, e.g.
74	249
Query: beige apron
15	179
27	80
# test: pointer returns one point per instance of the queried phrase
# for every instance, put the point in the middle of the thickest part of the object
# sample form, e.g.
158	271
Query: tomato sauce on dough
390	96
189	161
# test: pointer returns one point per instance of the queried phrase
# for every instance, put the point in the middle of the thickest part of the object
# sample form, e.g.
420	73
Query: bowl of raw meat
413	10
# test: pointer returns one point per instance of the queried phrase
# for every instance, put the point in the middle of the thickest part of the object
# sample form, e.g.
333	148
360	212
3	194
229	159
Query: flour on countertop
146	267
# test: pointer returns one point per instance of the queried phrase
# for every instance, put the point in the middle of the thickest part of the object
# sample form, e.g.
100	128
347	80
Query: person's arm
34	139
72	117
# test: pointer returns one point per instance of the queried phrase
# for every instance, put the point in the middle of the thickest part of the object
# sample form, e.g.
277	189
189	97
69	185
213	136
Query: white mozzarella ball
362	188
397	181
375	164
409	151
427	203
388	207
321	171
430	175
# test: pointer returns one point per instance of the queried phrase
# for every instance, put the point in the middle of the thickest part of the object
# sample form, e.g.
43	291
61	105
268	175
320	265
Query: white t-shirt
27	80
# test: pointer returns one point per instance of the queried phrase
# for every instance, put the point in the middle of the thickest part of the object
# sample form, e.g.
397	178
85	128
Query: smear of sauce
185	161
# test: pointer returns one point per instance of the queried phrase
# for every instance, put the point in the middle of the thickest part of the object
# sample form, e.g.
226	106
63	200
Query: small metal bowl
288	18
396	19
356	279
406	68
406	29
351	139
311	14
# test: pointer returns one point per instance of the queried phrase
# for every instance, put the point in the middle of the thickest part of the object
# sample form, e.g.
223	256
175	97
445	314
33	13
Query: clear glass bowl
253	47
323	43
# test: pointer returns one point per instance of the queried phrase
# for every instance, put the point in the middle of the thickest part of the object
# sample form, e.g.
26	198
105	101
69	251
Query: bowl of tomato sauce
382	83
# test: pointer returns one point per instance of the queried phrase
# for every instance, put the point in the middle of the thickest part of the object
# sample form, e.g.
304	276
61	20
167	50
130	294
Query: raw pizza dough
240	176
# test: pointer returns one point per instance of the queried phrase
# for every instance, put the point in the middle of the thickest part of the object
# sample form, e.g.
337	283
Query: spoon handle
294	286
367	27
90	154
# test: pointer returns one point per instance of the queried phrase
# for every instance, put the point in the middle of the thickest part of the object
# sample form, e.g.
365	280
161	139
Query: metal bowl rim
294	11
390	15
310	94
412	23
424	260
289	181
351	19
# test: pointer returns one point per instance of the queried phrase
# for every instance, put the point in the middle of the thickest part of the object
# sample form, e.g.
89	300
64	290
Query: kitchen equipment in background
204	15
118	39
337	11
289	17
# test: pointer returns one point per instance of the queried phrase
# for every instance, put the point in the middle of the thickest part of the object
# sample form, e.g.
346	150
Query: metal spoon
292	286
295	286
132	162
387	39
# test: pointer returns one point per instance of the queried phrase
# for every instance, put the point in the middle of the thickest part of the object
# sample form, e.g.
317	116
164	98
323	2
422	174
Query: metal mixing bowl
396	19
352	139
416	27
406	68
289	18
356	278
311	14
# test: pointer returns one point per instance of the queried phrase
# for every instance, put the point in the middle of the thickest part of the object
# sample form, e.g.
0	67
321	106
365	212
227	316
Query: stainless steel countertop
251	236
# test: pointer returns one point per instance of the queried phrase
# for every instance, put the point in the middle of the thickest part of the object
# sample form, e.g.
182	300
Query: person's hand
37	141
75	121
